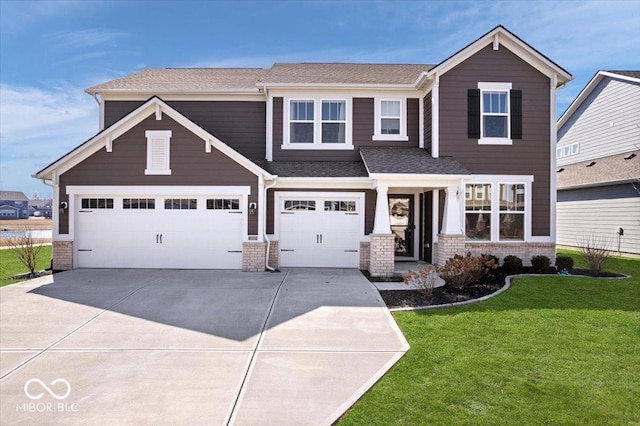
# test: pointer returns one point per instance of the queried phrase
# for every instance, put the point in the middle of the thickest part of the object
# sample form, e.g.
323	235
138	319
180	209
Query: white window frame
495	87
377	133
559	152
323	121
575	148
566	150
495	181
313	122
522	212
166	136
479	196
317	124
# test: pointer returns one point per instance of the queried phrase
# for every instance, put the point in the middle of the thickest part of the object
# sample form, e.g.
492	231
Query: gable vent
560	170
591	164
630	156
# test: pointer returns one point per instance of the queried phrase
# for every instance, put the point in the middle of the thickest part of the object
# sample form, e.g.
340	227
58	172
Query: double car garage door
160	232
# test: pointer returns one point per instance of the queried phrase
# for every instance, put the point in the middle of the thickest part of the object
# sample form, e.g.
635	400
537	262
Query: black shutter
515	99
473	112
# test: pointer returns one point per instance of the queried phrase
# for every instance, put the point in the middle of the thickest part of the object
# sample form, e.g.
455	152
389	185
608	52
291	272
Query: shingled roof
334	73
13	196
607	170
402	160
185	80
632	74
314	168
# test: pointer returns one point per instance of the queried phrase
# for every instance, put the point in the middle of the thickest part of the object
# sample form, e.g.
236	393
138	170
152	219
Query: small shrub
495	259
540	263
512	263
460	271
595	251
564	262
426	279
26	249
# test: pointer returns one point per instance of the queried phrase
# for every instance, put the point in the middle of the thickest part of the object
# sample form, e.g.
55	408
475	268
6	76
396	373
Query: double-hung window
478	211
511	212
390	117
390	120
495	114
315	123
301	124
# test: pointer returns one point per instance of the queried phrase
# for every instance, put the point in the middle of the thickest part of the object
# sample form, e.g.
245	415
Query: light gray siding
600	210
605	124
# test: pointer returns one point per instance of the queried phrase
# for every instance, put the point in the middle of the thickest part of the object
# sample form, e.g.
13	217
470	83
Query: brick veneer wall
274	254
446	247
253	256
381	255
62	255
524	251
365	255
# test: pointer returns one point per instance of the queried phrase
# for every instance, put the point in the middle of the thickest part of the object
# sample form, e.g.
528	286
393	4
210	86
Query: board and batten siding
363	129
239	124
605	124
527	156
190	166
600	210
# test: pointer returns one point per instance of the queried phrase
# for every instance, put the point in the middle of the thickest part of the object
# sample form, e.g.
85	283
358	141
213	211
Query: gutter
266	237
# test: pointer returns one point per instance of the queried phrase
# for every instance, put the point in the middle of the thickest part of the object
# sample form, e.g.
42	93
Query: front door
402	226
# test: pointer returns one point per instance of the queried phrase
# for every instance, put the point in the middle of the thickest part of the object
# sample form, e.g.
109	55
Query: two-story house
13	205
598	164
316	164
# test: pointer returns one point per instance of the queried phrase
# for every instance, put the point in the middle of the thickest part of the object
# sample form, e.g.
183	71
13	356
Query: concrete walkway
191	347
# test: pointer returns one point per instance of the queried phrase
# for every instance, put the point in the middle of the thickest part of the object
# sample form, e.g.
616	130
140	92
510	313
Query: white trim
435	117
435	219
269	128
101	114
134	118
278	197
553	142
495	87
323	183
156	190
261	210
377	125
421	122
289	86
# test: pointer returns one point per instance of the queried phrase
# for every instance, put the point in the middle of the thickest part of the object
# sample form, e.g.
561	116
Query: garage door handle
160	238
157	238
351	251
320	238
286	250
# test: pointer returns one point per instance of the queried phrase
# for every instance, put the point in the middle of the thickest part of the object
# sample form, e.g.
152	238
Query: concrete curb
506	286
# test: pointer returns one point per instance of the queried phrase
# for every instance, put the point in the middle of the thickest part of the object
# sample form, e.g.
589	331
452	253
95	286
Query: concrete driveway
191	347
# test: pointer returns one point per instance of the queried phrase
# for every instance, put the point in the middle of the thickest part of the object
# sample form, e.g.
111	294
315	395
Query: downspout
266	237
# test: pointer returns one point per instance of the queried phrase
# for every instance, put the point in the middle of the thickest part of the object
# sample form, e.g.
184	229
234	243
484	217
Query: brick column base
253	256
381	255
62	255
274	254
446	247
365	254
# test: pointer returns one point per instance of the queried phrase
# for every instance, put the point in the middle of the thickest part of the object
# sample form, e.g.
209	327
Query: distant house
40	208
598	163
13	205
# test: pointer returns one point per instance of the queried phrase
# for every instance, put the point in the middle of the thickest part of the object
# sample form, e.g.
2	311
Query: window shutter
515	100
473	111
158	154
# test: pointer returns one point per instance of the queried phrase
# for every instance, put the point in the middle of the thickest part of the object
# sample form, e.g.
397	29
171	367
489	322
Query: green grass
11	266
550	350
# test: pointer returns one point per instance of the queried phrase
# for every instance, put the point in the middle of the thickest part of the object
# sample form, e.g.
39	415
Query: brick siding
62	255
381	255
253	256
365	255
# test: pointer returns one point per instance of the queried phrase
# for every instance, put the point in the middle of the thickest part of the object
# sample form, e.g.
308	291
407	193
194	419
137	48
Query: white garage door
159	232
320	231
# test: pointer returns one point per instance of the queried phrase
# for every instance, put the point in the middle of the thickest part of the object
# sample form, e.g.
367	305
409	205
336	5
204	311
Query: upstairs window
390	120
390	117
301	121
158	150
494	114
334	121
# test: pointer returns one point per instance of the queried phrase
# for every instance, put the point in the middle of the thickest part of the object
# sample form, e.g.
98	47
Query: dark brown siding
427	122
363	129
115	110
241	125
527	156
190	165
369	205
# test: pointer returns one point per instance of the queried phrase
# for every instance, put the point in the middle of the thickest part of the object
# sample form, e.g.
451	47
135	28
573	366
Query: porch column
381	224
452	220
381	247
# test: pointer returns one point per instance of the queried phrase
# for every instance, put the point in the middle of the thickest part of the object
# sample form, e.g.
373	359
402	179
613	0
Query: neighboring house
40	208
316	164
598	159
13	205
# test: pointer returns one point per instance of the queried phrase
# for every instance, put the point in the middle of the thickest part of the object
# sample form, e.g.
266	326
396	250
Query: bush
564	263
460	271
540	263
425	278
595	251
512	263
495	259
26	249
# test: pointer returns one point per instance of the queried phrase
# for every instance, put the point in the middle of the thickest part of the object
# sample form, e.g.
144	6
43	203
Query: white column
452	221
261	208
381	224
435	118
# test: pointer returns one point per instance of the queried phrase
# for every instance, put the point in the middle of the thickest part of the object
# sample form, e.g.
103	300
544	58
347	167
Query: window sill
392	138
317	146
495	141
157	172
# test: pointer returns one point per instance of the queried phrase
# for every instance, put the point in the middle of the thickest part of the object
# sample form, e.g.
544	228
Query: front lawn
11	266
550	350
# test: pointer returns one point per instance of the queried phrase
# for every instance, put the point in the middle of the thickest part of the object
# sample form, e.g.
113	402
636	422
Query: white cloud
37	127
85	38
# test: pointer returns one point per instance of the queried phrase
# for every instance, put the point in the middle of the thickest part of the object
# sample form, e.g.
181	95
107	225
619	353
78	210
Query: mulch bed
448	294
29	276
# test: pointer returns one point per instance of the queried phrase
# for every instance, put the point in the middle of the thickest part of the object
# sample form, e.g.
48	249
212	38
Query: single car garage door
159	232
320	231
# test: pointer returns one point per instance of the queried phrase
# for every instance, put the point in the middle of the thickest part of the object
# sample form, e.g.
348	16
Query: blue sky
50	51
